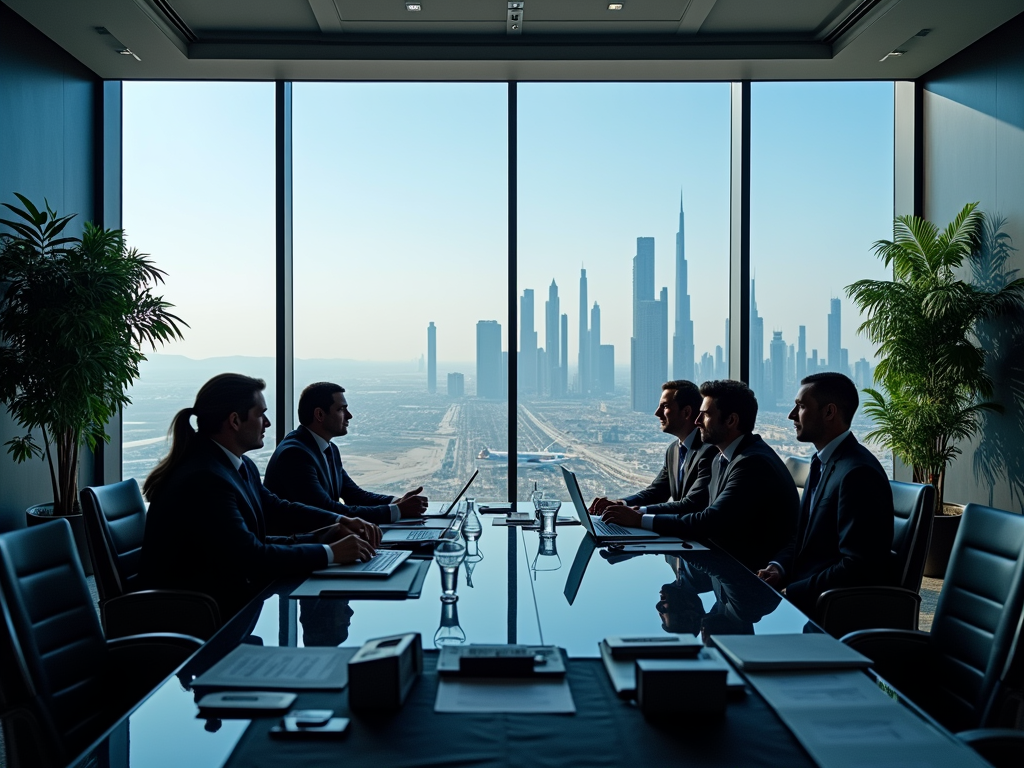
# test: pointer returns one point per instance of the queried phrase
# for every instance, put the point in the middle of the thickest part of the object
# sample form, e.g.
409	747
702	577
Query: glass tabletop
516	586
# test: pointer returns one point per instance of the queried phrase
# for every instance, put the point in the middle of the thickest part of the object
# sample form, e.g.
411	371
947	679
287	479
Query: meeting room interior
357	412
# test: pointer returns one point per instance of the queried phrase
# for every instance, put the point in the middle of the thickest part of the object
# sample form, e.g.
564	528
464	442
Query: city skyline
774	376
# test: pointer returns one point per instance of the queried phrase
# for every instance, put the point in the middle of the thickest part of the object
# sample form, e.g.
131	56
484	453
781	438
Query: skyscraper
801	353
488	359
643	275
431	358
584	374
456	385
563	363
682	342
649	345
756	382
778	383
595	349
606	369
527	344
835	339
552	378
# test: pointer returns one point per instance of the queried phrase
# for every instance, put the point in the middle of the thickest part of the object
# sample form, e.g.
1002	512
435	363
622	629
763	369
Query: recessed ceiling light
414	6
895	53
614	6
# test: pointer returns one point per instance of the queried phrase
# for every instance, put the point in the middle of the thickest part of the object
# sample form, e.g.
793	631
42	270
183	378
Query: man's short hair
685	393
733	397
836	388
318	395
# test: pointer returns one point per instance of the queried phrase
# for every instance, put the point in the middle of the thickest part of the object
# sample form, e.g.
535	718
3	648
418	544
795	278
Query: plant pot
944	528
43	513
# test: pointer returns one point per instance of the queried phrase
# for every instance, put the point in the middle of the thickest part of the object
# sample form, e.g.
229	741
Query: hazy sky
400	206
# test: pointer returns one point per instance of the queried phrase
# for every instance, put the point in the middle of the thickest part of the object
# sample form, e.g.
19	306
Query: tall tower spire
683	353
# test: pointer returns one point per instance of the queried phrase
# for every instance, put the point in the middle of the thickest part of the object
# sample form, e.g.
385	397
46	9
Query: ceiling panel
798	17
280	39
211	17
432	11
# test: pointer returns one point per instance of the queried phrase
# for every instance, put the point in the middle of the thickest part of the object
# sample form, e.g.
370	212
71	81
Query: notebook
770	653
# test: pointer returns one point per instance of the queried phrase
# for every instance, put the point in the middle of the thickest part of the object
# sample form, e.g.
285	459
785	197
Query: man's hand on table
771	575
413	504
620	514
369	532
351	549
598	505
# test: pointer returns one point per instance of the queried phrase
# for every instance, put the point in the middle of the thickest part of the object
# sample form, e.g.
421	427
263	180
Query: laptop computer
394	536
444	512
601	531
380	566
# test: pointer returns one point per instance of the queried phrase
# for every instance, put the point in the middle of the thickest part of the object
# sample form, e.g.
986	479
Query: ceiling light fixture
614	6
514	19
893	54
414	6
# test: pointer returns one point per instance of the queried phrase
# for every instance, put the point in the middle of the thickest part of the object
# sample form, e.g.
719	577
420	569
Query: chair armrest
906	659
1002	747
845	610
139	663
161	610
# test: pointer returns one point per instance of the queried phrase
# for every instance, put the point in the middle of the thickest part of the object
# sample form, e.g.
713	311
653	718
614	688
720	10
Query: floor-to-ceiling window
623	272
401	261
821	175
400	274
198	196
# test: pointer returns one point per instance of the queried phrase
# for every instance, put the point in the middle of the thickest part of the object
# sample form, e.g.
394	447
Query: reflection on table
518	593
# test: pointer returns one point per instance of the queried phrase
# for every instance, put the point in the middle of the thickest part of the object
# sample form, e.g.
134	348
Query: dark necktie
331	472
812	481
682	470
723	464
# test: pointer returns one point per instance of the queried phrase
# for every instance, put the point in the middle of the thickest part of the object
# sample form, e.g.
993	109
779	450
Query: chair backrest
913	505
799	468
977	621
115	523
51	620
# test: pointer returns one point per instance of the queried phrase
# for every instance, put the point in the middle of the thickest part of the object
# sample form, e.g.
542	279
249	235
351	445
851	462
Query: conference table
519	589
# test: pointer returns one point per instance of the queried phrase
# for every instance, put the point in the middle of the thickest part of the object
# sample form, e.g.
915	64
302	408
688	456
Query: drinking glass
449	555
548	514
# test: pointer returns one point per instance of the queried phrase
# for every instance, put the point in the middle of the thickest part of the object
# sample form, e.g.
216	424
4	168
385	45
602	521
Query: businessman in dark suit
206	526
753	503
682	484
306	466
845	529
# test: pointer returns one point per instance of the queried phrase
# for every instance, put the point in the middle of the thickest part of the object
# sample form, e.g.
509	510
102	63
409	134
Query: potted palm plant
934	386
74	313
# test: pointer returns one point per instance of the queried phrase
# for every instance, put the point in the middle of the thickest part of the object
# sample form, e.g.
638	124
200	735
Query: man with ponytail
207	525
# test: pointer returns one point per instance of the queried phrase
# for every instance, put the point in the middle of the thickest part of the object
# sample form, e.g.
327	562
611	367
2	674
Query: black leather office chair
62	671
966	672
841	611
115	524
1002	747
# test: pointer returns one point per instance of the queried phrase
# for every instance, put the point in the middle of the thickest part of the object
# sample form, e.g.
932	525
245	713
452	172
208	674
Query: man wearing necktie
845	529
752	503
682	484
306	466
207	527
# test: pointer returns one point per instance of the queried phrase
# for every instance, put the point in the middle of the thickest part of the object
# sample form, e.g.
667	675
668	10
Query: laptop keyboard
381	561
426	533
609	529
